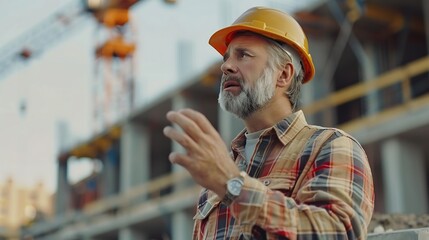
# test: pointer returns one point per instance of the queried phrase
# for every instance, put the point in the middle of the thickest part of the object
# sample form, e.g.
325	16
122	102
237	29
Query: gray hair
280	55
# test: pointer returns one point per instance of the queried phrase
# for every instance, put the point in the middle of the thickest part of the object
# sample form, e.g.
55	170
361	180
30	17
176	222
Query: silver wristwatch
233	188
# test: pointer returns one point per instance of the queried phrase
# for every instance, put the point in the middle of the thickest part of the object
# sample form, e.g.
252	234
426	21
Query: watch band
229	196
228	199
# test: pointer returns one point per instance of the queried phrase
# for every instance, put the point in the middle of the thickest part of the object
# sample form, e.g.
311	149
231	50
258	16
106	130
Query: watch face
234	187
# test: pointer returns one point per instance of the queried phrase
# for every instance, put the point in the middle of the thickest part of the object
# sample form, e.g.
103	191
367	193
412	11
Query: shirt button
267	182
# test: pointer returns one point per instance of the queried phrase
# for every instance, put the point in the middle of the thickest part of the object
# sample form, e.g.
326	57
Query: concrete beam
409	234
131	215
414	119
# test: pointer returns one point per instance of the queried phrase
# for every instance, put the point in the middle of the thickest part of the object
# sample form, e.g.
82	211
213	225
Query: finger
181	159
188	125
203	123
182	138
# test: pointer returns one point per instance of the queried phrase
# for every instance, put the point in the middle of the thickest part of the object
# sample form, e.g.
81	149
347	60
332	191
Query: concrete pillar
111	171
229	126
131	234
182	226
308	97
135	156
185	60
307	94
369	68
63	195
182	223
404	177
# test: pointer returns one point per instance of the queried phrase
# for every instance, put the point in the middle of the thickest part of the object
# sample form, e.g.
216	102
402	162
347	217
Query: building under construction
372	80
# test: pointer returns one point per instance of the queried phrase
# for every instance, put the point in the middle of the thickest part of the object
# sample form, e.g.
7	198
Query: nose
228	67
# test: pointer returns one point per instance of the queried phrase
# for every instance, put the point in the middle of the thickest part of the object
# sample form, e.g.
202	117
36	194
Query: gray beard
250	99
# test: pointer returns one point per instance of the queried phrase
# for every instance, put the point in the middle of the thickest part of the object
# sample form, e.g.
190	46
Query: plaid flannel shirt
304	182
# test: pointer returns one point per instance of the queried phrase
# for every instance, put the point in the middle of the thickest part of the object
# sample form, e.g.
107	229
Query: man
284	179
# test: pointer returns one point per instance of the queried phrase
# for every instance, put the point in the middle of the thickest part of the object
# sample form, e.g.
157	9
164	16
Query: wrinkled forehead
247	45
266	41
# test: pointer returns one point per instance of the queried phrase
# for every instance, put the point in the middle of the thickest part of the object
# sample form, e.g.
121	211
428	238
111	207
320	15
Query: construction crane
113	82
31	44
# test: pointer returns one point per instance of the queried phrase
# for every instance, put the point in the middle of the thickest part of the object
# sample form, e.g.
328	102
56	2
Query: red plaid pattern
305	182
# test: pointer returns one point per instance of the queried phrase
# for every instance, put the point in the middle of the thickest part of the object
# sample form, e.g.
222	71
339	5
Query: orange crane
113	88
113	83
114	76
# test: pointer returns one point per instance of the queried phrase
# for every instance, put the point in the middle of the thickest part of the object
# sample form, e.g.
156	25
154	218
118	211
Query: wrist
233	188
220	189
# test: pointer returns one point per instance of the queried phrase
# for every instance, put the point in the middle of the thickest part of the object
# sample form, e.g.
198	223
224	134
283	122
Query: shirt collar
288	128
285	130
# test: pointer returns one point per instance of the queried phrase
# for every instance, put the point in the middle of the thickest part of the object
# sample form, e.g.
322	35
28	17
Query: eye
243	54
225	57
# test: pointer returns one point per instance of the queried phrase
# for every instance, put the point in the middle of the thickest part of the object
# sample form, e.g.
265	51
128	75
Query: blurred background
85	85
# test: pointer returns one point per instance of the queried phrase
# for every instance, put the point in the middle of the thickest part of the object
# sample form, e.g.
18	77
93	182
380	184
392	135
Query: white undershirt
251	141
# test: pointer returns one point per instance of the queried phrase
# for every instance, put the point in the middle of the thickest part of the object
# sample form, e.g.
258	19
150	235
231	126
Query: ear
286	76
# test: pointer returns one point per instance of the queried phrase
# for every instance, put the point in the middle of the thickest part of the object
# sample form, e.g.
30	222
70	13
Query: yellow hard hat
271	23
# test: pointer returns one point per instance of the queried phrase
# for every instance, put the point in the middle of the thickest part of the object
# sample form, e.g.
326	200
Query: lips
230	84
